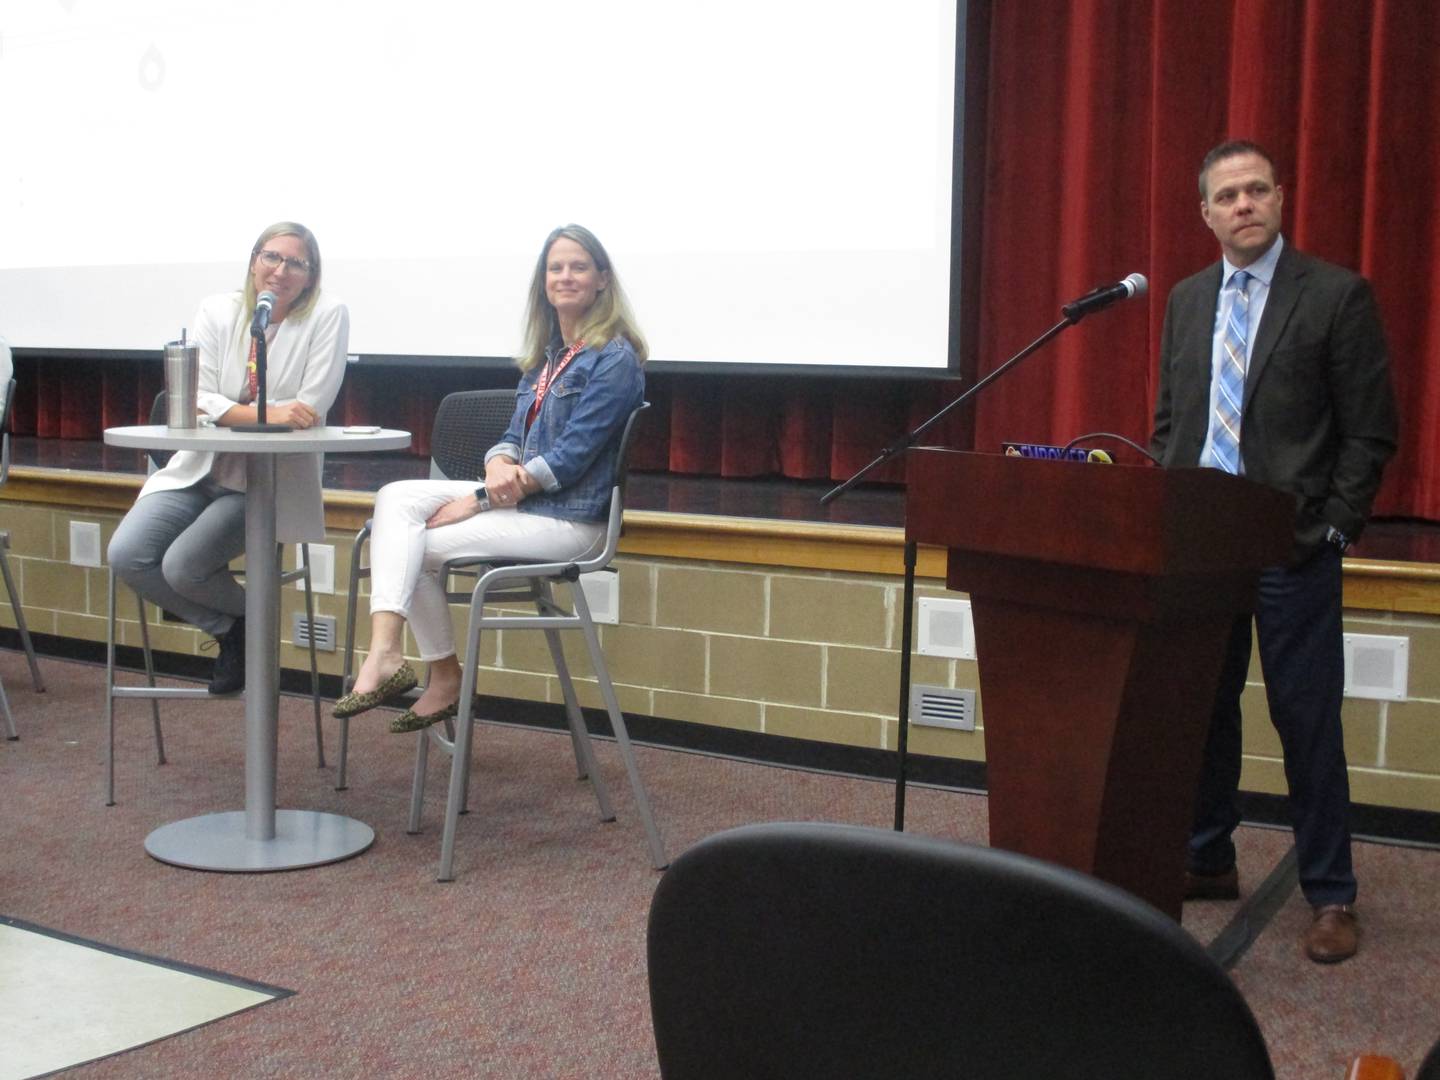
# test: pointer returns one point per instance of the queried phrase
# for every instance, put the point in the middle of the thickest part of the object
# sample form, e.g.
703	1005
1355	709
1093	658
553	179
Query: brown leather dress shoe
1334	935
1222	886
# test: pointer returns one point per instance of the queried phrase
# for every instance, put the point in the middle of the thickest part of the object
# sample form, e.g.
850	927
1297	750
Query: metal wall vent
935	706
324	632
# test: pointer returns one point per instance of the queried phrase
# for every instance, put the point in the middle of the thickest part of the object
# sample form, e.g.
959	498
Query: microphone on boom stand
1094	300
264	304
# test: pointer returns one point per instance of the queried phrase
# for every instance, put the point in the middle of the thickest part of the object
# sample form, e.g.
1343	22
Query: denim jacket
572	446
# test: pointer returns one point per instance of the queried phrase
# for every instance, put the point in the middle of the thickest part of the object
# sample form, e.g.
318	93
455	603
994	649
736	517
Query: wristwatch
482	497
1338	538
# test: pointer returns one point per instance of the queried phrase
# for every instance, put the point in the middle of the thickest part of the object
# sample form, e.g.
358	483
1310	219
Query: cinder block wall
752	645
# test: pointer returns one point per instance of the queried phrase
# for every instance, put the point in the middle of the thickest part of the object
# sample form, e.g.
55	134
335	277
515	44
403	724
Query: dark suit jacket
1318	419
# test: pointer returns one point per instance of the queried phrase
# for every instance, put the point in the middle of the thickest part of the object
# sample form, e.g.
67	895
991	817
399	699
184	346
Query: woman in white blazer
175	545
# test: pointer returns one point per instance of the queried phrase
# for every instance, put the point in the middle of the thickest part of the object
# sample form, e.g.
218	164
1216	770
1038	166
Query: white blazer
305	362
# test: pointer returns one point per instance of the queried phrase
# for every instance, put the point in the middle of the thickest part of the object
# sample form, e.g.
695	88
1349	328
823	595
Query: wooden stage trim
1370	584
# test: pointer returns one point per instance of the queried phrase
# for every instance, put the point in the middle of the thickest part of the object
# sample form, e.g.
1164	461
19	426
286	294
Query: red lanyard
252	382
549	375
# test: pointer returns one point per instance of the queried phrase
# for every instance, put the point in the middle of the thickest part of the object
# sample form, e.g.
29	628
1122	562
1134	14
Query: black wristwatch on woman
482	497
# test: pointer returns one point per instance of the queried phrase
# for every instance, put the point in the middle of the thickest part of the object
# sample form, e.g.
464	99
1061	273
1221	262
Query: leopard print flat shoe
353	704
410	720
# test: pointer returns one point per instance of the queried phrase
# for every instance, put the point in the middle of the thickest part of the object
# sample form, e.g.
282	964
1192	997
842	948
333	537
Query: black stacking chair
8	384
789	950
157	460
510	582
467	424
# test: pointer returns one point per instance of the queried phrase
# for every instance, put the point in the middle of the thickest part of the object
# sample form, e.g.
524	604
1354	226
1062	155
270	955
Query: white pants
405	556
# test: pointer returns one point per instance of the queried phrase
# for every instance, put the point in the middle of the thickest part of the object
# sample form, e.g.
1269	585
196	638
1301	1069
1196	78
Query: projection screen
776	181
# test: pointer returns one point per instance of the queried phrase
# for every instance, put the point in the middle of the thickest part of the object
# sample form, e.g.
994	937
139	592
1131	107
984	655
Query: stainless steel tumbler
182	375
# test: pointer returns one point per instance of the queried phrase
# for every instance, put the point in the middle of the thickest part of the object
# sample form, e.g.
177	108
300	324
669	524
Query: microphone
266	300
1104	296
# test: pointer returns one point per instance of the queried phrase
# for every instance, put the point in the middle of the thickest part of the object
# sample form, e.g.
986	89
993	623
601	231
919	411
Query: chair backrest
158	458
467	424
831	950
7	385
9	390
616	519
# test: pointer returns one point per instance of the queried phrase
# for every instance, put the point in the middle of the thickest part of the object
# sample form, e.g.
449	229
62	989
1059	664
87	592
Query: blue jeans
174	548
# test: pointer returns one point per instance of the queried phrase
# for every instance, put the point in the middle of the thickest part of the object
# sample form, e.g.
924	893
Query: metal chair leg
347	670
417	781
20	619
459	794
546	606
149	678
11	735
622	734
314	666
579	735
109	695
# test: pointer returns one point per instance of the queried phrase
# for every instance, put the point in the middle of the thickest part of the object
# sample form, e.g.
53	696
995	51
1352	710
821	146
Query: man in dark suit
1273	365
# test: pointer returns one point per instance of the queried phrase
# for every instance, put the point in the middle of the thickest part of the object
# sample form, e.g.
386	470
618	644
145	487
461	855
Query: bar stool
507	581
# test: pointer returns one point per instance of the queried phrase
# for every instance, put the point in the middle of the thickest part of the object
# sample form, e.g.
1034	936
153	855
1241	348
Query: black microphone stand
260	426
899	446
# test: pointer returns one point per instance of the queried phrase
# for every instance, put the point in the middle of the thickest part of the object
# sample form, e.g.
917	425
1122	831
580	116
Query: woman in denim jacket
547	482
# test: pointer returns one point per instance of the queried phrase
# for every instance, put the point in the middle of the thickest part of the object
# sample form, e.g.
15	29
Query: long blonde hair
608	318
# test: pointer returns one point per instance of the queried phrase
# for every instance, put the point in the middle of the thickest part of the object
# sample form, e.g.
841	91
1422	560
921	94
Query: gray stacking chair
467	424
157	460
8	384
507	582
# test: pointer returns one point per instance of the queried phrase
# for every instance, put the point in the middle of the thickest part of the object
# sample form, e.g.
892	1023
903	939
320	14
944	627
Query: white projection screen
775	179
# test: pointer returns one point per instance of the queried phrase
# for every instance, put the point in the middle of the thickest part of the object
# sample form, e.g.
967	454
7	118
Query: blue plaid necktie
1225	422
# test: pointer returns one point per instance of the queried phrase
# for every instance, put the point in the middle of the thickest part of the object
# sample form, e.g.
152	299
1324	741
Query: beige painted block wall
808	653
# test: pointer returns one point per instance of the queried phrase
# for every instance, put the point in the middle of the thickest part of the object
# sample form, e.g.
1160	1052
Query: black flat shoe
353	704
228	676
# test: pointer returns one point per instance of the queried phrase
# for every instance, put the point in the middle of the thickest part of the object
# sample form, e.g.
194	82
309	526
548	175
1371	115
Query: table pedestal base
218	842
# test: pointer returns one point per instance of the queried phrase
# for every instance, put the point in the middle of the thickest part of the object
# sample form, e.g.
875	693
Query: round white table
259	838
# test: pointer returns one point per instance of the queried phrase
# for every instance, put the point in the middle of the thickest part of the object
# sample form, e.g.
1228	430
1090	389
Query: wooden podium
1103	596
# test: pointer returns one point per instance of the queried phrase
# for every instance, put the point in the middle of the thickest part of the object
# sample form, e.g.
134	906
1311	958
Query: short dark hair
1228	149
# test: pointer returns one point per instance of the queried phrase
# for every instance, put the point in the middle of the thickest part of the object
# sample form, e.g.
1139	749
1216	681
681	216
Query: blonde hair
608	318
306	300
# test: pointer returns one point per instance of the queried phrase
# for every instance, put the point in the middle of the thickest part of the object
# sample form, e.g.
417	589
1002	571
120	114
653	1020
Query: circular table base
218	842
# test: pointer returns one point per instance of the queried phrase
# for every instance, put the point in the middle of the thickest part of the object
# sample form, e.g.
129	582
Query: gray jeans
174	549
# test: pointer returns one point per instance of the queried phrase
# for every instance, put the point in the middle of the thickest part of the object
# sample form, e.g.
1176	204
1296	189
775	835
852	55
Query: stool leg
417	782
150	678
20	622
110	695
579	736
348	664
314	667
11	735
622	735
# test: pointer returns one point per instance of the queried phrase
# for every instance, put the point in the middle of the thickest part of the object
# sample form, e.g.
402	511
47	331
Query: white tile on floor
62	1003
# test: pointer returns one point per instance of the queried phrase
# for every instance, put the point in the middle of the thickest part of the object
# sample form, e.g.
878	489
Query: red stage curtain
1099	112
1098	121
